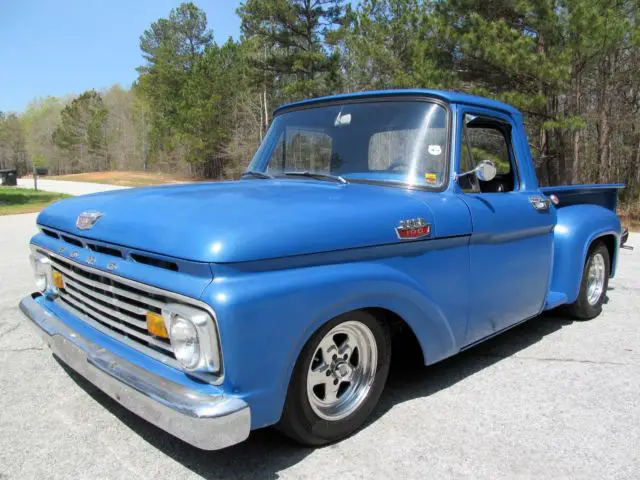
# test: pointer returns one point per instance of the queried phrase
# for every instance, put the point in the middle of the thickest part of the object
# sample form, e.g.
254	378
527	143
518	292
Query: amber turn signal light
58	281
155	325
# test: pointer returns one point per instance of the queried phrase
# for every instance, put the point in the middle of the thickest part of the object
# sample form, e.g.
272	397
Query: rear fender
578	226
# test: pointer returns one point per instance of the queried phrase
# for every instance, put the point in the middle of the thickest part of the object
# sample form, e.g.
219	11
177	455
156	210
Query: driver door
511	245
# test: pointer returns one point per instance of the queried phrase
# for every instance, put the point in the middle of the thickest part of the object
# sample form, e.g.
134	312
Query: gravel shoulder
551	398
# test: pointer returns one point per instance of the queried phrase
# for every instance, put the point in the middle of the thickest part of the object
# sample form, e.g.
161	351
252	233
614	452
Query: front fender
266	319
577	228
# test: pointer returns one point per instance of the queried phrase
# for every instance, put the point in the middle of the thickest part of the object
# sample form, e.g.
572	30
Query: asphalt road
70	188
549	399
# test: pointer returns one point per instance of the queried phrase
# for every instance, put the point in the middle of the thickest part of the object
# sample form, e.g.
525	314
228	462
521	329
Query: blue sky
64	47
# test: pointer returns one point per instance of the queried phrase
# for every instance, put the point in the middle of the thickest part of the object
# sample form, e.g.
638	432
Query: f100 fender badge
413	228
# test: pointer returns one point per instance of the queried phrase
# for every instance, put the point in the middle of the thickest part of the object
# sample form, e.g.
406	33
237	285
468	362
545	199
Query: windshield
383	141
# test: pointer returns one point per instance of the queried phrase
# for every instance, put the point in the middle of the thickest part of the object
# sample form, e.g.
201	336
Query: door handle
540	203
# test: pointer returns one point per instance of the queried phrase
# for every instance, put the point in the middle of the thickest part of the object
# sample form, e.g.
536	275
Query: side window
302	150
488	140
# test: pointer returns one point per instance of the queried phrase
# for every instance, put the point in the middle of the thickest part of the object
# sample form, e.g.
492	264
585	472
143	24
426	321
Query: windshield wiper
256	174
318	175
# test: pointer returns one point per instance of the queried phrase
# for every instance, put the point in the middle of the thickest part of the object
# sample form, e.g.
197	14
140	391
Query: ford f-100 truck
213	309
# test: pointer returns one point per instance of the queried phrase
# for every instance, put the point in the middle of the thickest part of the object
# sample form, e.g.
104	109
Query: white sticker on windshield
435	150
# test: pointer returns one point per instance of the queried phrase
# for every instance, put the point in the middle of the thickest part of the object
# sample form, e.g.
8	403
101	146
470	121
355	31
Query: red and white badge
413	228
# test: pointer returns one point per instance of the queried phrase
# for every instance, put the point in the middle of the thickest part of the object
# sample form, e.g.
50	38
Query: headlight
193	337
184	340
41	269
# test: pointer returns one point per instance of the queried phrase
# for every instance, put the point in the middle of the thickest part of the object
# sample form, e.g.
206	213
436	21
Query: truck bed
605	195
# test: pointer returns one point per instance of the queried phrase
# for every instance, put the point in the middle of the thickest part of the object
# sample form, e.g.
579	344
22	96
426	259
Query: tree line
201	108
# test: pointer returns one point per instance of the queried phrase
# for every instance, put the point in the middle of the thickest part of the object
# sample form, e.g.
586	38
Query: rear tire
338	379
593	287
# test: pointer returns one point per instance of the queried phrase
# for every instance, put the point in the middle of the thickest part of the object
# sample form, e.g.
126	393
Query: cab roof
444	95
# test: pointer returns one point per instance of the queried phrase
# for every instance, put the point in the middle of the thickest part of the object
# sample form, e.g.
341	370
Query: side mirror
486	170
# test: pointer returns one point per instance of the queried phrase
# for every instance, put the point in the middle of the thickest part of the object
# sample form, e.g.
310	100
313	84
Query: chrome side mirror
485	171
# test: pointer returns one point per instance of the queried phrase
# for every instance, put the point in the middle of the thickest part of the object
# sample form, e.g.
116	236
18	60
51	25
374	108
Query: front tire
595	281
337	380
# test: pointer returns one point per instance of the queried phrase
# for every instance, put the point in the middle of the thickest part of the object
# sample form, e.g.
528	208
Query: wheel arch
416	313
610	241
398	327
302	301
578	228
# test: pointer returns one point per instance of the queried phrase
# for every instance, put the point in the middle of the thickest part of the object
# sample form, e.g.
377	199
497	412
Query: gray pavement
70	188
549	399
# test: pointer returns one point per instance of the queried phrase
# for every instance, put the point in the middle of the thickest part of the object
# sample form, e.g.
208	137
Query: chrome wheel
596	279
342	370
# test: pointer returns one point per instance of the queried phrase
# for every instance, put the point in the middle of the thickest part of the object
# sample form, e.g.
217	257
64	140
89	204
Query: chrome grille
110	304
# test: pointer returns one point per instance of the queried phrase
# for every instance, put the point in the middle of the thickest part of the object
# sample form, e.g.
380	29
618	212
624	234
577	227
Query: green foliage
569	123
81	133
571	66
39	161
13	151
15	200
171	47
296	36
39	121
506	49
392	44
189	83
208	97
20	196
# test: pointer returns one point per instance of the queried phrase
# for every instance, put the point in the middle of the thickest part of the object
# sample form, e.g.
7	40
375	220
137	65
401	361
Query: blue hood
243	220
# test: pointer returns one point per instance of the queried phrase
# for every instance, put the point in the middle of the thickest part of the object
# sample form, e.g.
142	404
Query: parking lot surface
551	398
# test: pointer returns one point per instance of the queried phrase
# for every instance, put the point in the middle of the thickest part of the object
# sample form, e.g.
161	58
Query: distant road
70	188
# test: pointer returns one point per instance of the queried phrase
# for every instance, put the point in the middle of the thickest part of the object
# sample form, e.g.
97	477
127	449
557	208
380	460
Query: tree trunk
575	170
637	166
603	128
266	110
562	163
545	174
558	136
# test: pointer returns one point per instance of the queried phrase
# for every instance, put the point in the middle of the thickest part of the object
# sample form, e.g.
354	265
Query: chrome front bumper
209	422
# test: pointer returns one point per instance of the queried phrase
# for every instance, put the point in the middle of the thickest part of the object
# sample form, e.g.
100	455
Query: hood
243	220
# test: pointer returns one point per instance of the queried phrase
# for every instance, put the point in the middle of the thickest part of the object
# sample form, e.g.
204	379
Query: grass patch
24	200
123	178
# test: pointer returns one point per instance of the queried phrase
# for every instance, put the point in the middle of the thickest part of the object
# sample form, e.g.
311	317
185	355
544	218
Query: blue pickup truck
213	309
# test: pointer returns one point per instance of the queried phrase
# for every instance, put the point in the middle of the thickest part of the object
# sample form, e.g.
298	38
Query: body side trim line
410	247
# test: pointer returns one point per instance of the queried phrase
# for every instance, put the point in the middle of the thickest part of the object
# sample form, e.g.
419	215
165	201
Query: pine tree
82	133
171	47
296	36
